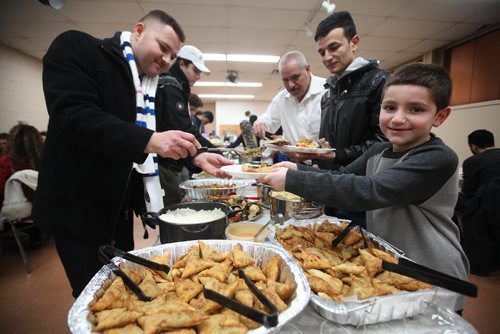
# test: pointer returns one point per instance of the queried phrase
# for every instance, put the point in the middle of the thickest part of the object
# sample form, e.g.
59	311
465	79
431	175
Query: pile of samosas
350	269
178	304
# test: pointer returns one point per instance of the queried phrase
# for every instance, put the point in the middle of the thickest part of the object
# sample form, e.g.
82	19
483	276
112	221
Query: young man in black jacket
350	108
172	113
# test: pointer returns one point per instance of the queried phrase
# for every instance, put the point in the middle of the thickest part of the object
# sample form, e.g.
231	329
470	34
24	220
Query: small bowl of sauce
246	232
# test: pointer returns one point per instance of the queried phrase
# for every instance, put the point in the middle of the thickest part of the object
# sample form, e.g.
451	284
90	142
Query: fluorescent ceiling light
238	57
227	84
214	56
253	58
225	96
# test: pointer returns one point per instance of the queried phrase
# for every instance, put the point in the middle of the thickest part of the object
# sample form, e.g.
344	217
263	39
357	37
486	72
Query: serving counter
434	319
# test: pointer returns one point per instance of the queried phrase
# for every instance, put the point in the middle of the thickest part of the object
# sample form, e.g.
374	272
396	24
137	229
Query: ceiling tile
457	31
410	28
370	7
442	10
386	43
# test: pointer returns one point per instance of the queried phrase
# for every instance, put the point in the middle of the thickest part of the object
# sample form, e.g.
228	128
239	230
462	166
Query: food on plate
286	196
350	269
190	216
180	305
262	168
310	143
252	152
278	141
203	175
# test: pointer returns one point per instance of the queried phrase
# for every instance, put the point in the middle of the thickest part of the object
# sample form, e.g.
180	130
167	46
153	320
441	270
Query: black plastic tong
106	252
414	270
344	233
268	320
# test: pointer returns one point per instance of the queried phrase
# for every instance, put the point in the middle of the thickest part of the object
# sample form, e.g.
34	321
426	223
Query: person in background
3	143
478	205
351	106
483	165
206	117
252	119
408	185
98	166
247	137
172	113
23	151
297	107
195	104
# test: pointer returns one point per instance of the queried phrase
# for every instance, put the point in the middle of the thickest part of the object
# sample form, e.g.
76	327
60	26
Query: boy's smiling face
407	115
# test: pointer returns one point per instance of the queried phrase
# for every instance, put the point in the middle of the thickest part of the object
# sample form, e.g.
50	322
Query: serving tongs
414	270
345	232
106	252
250	153
268	320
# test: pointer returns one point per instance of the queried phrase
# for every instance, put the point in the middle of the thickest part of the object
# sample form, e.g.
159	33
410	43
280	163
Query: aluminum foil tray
290	272
376	309
230	186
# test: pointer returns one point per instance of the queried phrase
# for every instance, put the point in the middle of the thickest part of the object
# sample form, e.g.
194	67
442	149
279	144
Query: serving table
433	320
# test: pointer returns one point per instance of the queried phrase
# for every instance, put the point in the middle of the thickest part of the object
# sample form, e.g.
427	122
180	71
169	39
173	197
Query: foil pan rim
390	307
78	315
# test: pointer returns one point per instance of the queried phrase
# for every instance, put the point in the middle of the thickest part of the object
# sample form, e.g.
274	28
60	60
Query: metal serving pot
170	232
264	191
295	209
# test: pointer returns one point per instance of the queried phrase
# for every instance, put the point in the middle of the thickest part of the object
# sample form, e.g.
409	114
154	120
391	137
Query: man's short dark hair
3	135
195	101
481	138
336	20
209	115
163	17
433	77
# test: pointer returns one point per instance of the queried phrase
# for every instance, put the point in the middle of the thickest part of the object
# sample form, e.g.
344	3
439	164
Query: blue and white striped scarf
145	91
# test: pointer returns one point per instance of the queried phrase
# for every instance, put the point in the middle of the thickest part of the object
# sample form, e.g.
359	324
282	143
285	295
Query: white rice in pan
189	216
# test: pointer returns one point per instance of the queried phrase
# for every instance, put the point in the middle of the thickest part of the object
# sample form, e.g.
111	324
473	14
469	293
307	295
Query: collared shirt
298	119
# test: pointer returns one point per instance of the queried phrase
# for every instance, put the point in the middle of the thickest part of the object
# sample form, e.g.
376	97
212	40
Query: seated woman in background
247	137
24	151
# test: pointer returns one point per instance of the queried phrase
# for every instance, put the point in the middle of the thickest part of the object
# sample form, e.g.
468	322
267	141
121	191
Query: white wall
21	92
466	118
233	112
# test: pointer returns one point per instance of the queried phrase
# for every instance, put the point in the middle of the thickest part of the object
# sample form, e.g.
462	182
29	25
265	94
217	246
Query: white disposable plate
297	149
235	170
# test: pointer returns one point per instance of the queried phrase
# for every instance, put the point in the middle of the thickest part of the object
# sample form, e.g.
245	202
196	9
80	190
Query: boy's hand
276	179
285	164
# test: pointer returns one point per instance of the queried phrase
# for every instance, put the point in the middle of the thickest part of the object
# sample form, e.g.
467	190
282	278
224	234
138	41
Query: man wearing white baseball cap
172	112
193	54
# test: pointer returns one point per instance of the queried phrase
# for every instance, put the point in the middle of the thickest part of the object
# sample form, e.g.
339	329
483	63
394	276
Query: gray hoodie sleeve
413	180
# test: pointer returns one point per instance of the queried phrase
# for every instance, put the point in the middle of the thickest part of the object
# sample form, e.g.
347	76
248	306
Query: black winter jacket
92	140
172	113
350	112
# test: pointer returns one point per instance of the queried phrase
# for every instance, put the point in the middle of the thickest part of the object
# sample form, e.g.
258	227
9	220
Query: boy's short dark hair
195	101
163	17
209	115
336	20
481	138
435	78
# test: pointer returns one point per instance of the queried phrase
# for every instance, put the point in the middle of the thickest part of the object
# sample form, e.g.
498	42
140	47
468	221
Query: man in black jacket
87	187
351	106
172	113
